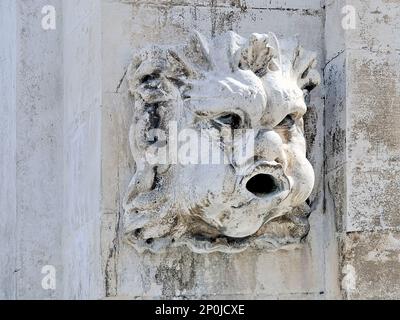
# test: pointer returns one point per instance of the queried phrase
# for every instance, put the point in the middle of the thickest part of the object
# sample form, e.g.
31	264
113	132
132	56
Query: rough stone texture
373	144
370	265
362	113
373	98
39	141
373	150
66	162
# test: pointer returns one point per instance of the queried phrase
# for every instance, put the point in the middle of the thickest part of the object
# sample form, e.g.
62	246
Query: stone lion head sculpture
220	88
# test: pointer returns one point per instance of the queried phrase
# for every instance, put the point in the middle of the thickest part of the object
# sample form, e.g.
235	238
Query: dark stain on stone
338	141
213	13
377	114
310	128
177	276
239	4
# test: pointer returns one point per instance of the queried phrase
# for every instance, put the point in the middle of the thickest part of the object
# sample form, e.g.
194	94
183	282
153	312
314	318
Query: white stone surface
39	147
362	81
50	170
82	78
7	150
66	161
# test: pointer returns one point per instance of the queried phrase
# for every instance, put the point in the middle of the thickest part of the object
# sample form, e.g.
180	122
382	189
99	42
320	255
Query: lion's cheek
302	179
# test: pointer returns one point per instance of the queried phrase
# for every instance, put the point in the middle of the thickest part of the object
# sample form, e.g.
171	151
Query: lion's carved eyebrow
235	118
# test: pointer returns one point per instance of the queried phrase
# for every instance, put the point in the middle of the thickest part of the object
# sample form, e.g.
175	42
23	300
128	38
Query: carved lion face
235	94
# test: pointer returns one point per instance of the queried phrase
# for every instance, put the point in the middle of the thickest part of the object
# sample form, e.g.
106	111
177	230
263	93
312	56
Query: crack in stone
213	5
121	81
333	58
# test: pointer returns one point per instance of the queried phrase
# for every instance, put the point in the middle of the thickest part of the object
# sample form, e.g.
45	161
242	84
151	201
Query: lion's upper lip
264	164
267	167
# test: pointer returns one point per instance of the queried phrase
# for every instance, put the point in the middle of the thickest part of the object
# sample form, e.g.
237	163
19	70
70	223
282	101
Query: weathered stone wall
66	161
34	217
82	150
361	112
363	178
50	170
129	26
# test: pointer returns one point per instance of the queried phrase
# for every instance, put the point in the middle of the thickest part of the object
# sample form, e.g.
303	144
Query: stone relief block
218	142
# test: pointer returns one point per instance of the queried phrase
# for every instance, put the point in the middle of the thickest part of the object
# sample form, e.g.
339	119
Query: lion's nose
268	145
262	185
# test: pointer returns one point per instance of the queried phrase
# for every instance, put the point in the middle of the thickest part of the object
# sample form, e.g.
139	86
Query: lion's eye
306	95
287	123
229	119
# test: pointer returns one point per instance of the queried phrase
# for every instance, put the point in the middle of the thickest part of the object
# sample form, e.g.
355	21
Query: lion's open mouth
262	185
266	180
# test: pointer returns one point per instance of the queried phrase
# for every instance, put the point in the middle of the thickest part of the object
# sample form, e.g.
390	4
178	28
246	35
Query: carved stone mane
227	84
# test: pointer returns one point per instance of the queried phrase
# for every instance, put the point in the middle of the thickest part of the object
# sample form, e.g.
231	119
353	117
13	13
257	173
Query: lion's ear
260	55
156	75
197	52
148	83
131	73
146	77
303	65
